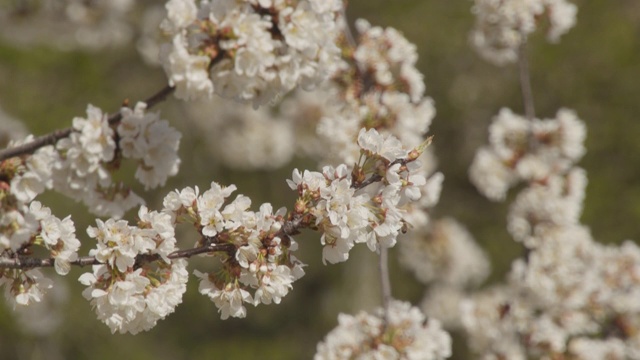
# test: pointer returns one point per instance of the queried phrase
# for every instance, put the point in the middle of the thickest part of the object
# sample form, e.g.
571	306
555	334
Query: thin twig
25	262
385	282
525	82
377	177
52	138
347	30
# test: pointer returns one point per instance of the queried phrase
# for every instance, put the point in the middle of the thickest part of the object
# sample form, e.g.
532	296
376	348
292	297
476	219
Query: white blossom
406	335
24	287
127	295
58	235
503	26
151	141
239	56
228	299
81	173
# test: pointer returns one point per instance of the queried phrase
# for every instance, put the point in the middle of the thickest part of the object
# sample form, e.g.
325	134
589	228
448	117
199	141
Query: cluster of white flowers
30	175
151	141
250	50
502	26
572	297
347	210
532	151
136	283
22	228
324	123
379	87
25	225
24	287
58	236
45	317
260	258
569	297
557	203
81	172
67	24
80	165
405	333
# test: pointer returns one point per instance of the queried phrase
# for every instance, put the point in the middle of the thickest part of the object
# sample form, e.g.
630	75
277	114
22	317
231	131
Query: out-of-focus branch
525	82
385	282
52	138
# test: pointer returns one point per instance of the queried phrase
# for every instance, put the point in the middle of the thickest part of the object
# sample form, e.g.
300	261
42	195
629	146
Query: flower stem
385	283
525	82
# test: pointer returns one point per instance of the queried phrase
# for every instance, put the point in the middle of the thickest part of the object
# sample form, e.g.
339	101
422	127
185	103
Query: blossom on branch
502	26
136	283
531	151
258	255
151	141
80	165
250	51
365	204
404	334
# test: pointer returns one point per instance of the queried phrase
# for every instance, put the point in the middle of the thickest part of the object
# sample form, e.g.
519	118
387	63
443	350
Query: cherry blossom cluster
252	50
378	86
569	297
402	333
24	228
81	171
502	26
523	150
151	141
67	24
81	164
347	208
135	284
259	251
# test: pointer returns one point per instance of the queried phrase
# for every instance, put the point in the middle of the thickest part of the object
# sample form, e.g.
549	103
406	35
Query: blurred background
47	80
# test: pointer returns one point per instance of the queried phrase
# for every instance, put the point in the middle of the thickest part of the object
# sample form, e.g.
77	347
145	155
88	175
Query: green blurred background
595	69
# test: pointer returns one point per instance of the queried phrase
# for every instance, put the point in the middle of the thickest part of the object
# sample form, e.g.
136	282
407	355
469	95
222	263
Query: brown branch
377	177
25	262
373	179
52	138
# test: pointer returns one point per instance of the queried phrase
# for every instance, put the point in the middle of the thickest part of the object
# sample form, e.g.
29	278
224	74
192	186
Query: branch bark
52	138
26	262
